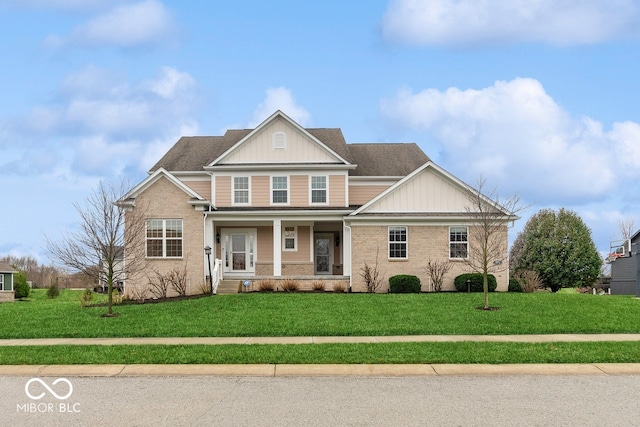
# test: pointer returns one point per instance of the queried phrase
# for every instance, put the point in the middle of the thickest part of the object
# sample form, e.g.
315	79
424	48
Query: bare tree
626	226
372	275
488	237
437	269
101	239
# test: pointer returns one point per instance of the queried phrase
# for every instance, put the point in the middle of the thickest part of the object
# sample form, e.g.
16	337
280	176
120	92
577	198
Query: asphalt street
456	400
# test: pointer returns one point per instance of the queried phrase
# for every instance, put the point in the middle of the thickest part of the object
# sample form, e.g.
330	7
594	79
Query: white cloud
101	123
488	22
515	133
280	98
127	26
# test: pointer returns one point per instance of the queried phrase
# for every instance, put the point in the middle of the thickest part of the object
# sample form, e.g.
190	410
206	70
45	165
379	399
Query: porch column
277	247
346	250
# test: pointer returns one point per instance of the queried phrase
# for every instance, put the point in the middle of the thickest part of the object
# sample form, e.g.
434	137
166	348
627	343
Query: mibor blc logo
60	389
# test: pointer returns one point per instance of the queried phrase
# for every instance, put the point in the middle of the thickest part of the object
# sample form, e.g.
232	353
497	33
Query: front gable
279	140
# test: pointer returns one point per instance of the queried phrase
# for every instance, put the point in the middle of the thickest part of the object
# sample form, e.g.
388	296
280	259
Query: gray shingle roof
7	268
192	153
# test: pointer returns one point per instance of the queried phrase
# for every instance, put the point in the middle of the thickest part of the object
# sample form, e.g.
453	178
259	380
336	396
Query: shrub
116	298
529	280
404	283
514	286
290	285
339	287
476	282
53	291
437	269
372	275
21	288
317	285
86	297
266	285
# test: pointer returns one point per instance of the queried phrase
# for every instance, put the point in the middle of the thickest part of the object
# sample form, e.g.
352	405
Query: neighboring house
281	201
624	267
6	282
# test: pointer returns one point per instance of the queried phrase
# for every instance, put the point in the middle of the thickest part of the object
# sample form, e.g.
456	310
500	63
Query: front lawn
324	314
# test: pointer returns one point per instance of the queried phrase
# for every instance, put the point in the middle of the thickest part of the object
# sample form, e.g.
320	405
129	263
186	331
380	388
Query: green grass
439	352
313	314
327	314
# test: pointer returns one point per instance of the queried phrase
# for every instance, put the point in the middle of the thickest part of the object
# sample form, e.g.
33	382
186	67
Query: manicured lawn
311	314
439	352
325	315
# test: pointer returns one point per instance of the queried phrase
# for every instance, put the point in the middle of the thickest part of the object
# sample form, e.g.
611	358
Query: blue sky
542	98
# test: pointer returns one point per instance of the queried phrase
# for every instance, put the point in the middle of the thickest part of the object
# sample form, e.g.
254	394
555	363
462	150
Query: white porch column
346	250
277	247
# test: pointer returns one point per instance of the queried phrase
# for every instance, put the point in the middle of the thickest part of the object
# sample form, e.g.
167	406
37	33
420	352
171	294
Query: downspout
350	256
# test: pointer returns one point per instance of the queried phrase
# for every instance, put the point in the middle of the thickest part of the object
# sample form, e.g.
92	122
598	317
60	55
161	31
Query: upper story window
318	189
458	242
398	242
240	190
279	140
164	238
280	190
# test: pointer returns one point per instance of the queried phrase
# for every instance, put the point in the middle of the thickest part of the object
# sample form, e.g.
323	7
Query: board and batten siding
299	148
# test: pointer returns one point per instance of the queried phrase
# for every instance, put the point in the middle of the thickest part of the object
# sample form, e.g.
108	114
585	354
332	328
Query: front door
323	253
238	251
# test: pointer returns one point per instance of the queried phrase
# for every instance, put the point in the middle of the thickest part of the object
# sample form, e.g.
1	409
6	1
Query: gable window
164	238
240	190
280	190
290	237
398	242
458	242
318	189
279	140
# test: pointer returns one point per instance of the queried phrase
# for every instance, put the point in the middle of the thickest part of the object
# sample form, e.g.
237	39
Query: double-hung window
318	189
280	190
164	238
289	236
458	242
240	190
398	242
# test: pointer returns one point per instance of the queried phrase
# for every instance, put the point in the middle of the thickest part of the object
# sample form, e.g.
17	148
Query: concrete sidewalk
319	340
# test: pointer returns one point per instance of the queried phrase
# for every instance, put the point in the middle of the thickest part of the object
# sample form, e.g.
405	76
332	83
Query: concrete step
228	287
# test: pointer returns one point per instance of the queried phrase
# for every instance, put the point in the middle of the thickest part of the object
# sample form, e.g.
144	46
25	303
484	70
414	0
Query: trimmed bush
404	284
476	282
514	286
21	288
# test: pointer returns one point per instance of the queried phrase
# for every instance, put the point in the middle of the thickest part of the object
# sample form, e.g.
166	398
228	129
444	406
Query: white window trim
1	281
288	190
295	238
406	243
233	191
326	190
450	242
164	238
279	144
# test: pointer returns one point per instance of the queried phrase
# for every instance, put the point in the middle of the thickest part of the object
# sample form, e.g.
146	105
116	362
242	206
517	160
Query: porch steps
228	287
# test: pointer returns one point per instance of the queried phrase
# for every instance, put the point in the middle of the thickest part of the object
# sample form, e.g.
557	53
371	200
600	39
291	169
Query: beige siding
203	188
302	253
299	190
424	243
260	191
164	200
223	191
361	194
299	148
337	196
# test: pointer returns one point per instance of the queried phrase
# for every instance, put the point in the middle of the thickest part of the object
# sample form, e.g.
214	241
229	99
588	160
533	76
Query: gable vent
279	140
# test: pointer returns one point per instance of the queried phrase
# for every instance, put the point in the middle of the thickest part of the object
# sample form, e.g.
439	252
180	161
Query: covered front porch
256	248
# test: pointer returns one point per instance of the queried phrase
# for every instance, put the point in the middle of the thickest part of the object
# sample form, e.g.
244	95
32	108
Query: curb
329	370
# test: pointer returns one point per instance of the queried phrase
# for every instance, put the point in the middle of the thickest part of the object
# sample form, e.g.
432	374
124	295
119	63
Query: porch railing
217	275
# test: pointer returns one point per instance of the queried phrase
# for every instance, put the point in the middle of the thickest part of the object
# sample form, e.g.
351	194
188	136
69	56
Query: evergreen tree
557	245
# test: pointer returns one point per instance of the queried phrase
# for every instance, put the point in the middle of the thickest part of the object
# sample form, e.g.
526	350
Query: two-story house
282	201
